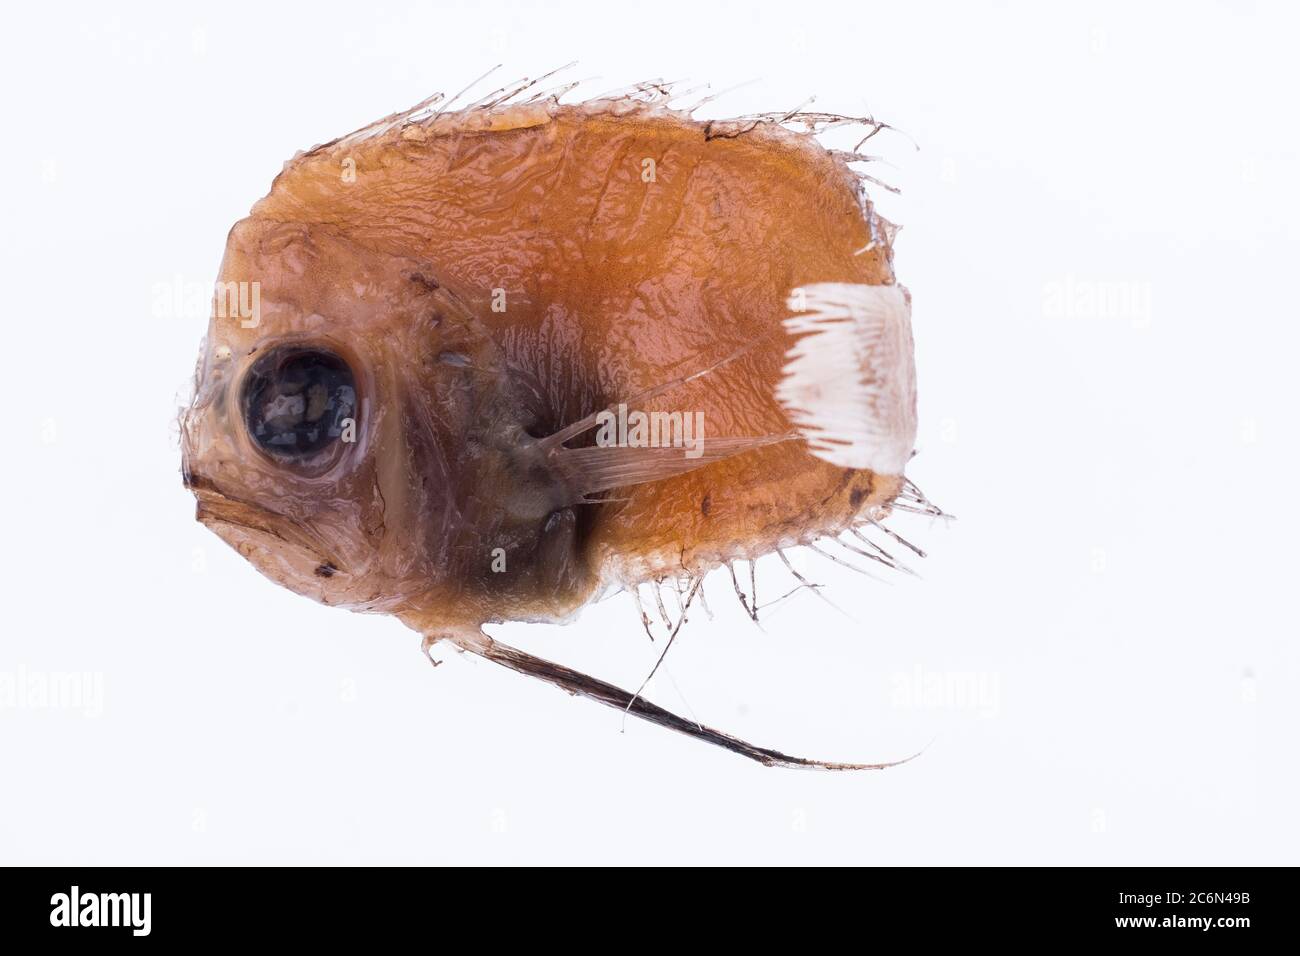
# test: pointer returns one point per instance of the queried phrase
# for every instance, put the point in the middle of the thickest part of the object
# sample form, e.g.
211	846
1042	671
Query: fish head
357	436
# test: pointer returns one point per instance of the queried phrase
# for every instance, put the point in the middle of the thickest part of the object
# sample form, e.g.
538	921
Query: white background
1119	584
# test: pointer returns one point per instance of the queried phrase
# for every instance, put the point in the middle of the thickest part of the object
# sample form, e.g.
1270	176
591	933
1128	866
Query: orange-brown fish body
589	253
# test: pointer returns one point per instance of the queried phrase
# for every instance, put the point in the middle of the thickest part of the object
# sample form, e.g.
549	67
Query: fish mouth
233	519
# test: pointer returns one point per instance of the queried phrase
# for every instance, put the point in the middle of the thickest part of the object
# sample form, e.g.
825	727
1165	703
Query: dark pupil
295	400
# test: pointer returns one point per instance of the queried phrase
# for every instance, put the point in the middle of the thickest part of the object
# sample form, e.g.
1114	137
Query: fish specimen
484	364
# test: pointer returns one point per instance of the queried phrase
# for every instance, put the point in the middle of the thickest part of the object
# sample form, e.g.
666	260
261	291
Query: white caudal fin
850	379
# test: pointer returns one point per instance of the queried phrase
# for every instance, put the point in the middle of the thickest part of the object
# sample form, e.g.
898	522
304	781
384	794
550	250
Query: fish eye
298	400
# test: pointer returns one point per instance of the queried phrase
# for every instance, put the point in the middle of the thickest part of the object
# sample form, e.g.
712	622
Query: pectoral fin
589	470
